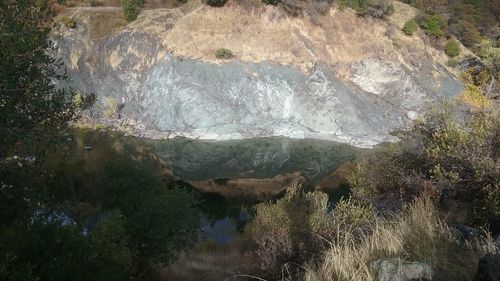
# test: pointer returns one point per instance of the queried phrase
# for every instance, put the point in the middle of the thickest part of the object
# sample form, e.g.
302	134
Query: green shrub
215	3
452	48
223	54
372	8
410	27
450	153
433	25
68	22
131	9
271	2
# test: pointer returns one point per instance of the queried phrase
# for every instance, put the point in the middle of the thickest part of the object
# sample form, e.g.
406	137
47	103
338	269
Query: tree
31	106
490	56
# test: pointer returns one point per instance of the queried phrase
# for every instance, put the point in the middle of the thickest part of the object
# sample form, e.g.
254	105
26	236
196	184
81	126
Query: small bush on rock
223	54
452	48
131	9
410	27
215	3
372	8
271	2
68	22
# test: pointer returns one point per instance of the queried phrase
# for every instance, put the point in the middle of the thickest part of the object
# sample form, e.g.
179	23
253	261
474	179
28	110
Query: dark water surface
189	159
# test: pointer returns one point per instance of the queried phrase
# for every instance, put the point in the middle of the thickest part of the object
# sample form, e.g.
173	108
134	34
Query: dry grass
418	234
267	33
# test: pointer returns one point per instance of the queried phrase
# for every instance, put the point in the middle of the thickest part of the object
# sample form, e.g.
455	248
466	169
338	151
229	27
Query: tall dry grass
416	234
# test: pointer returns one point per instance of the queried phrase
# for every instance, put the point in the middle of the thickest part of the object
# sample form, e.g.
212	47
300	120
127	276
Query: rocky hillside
338	77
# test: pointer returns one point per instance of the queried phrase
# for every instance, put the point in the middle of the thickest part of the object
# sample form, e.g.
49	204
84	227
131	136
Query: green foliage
452	49
131	9
410	27
223	54
433	25
299	225
490	56
373	8
450	153
215	3
117	185
31	106
271	2
50	247
68	22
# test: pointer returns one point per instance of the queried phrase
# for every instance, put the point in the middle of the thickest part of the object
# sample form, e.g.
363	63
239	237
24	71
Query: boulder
392	269
489	268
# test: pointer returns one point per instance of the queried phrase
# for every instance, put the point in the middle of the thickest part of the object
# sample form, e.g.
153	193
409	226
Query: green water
203	159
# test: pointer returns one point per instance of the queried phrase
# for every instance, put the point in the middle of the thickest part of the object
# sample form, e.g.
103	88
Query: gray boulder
489	268
392	269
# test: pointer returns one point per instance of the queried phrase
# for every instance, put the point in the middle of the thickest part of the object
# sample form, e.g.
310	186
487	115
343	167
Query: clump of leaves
452	49
131	9
410	27
68	22
433	25
474	97
372	8
271	2
215	3
223	54
450	153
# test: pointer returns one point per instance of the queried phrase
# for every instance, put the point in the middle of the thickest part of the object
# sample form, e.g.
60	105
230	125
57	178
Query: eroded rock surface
314	89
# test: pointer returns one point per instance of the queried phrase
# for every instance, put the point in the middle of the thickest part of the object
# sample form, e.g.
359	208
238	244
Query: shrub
271	2
131	9
410	27
299	225
450	153
68	22
281	231
474	97
433	25
373	8
223	54
215	3
452	49
415	234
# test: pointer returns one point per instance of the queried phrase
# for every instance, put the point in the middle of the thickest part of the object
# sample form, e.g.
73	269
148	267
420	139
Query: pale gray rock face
244	100
397	270
160	95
